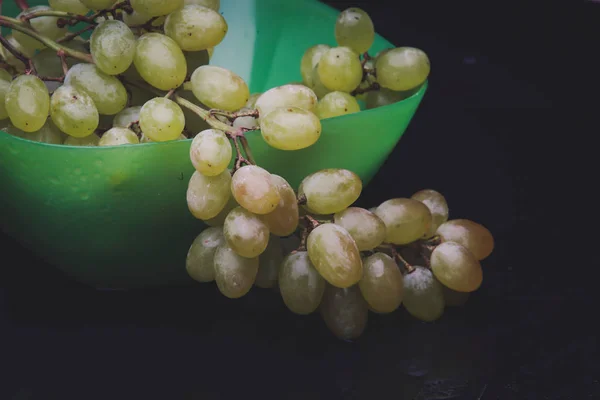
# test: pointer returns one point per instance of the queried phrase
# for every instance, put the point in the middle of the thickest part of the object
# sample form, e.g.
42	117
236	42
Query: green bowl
117	217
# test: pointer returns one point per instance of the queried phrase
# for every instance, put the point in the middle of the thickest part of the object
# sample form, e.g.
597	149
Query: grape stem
311	224
169	94
22	4
302	200
373	86
63	61
148	25
29	67
233	115
409	269
16	25
67	18
73	35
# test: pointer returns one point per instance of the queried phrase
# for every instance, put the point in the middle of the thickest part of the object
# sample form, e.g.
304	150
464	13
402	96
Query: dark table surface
482	137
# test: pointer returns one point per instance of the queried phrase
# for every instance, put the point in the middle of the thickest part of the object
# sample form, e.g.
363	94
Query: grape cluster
144	76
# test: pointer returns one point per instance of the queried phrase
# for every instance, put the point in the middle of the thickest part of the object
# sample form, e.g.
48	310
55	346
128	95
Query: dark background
486	136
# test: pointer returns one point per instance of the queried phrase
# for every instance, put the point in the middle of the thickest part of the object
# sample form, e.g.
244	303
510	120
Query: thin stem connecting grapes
30	68
233	115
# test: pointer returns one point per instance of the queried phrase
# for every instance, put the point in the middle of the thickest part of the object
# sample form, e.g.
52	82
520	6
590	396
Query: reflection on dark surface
522	335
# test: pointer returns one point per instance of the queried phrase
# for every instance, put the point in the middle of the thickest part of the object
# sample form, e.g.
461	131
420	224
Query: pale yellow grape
437	205
107	91
309	61
27	103
90	140
112	45
406	220
340	69
268	264
48	133
317	85
200	260
195	27
5	76
210	152
219	219
335	104
252	100
72	6
283	221
423	295
208	195
245	232
45	26
234	274
159	61
146	139
4	85
290	128
246	122
335	255
344	311
126	117
161	119
366	228
135	18
98	4
456	267
382	284
354	28
475	237
118	136
73	111
156	8
212	4
402	68
11	59
254	189
329	191
286	96
220	88
300	284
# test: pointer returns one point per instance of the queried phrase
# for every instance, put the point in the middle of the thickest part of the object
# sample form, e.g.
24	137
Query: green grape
208	195
437	206
212	4
126	117
200	260
475	237
340	69
423	295
286	96
90	140
344	311
4	85
195	27
220	88
452	298
112	46
145	139
354	28
118	136
406	220
27	103
290	128
269	262
254	189
382	284
402	68
73	111
45	26
456	267
48	133
335	255
309	61
317	85
329	191
366	228
98	4
156	8
10	58
135	18
159	61
161	119
335	104
219	219
383	97
195	59
283	220
250	104
72	6
46	62
5	75
247	122
300	284
211	152
107	91
245	233
234	274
